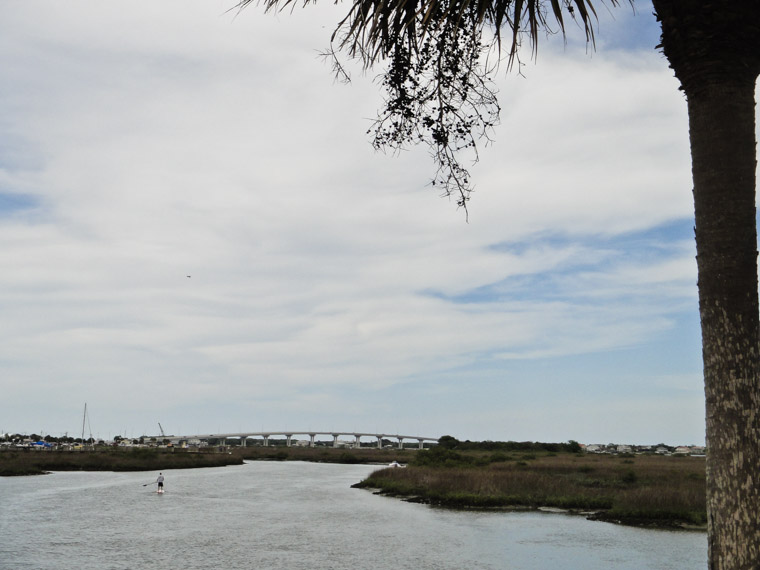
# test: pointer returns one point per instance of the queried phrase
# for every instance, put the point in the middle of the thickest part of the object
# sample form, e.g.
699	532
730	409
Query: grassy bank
642	490
31	462
322	454
35	462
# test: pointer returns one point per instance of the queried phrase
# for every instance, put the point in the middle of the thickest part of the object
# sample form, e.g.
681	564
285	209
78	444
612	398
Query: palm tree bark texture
714	50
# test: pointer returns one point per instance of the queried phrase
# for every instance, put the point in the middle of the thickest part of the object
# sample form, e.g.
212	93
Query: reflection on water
295	515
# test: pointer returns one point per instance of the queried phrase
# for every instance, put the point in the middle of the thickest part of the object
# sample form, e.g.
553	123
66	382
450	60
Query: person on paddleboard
160	482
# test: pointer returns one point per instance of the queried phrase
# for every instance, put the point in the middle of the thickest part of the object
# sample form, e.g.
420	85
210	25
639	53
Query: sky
197	232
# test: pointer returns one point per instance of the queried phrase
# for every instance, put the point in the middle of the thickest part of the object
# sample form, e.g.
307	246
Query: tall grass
33	462
37	462
645	489
323	454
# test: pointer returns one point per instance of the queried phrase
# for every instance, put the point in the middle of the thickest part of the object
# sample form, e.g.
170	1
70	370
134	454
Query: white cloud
171	140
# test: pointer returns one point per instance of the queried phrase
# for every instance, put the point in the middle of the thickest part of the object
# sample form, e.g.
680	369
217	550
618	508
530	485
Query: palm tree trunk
722	133
713	49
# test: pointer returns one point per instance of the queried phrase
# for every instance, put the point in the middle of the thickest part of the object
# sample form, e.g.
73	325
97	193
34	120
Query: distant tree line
450	442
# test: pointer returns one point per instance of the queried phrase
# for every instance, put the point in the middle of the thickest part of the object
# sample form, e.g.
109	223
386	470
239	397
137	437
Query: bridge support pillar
379	441
288	436
311	439
401	443
243	441
335	440
421	444
266	440
357	443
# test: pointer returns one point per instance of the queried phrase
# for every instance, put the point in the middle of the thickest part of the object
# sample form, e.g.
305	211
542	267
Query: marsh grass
325	454
38	462
35	462
647	489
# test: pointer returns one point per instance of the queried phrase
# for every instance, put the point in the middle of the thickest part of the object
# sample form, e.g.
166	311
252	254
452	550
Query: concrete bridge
243	436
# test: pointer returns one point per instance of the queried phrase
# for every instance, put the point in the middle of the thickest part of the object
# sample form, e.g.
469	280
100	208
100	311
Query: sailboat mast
84	418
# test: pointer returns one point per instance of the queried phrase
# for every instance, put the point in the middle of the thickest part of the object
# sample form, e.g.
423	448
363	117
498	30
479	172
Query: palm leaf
372	28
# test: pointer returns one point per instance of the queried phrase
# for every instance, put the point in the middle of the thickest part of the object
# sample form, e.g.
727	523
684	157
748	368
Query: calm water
297	516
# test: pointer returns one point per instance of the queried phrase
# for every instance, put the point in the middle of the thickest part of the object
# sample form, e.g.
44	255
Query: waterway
293	515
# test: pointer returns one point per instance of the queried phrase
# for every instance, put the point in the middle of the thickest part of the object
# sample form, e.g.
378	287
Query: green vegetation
647	490
33	462
367	455
102	458
449	442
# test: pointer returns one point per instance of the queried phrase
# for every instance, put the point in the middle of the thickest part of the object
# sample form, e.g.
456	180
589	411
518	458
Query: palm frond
371	28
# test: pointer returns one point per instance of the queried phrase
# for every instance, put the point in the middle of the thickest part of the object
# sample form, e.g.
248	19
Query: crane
163	436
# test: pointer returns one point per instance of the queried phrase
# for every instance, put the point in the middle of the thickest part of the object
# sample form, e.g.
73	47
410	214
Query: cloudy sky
196	231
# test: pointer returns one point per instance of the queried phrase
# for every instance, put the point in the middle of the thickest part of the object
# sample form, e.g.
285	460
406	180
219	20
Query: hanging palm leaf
439	58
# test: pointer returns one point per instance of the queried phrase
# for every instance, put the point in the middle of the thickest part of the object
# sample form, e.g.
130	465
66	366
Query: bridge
243	436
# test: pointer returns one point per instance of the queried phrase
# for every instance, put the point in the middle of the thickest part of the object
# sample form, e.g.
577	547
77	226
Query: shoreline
644	491
590	515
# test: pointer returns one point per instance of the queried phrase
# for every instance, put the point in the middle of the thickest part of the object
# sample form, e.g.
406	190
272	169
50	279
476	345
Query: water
292	515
